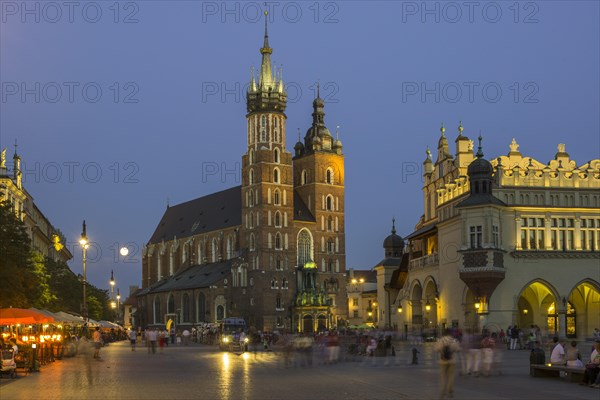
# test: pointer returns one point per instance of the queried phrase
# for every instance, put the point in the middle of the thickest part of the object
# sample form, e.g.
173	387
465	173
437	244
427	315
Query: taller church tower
267	197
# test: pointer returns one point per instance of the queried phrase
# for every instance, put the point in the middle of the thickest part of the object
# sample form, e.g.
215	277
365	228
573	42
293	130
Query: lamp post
118	305
83	241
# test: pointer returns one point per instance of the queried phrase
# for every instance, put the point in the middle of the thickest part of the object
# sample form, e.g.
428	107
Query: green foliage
17	269
29	280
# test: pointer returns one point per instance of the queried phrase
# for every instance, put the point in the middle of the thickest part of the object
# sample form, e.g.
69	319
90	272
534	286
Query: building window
355	302
278	304
263	121
496	236
278	219
276	156
329	203
590	231
304	177
278	265
532	233
562	233
329	176
355	314
304	247
251	243
284	283
273	283
476	236
330	247
252	301
276	198
330	224
278	241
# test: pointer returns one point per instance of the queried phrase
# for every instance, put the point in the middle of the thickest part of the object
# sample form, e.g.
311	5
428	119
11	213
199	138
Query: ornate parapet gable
536	254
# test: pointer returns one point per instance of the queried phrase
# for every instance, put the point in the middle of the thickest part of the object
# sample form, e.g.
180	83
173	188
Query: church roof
205	214
301	211
197	276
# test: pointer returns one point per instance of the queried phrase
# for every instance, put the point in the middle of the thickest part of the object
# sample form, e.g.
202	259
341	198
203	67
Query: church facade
272	250
510	241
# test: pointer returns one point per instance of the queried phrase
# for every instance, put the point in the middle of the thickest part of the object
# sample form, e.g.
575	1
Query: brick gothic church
271	250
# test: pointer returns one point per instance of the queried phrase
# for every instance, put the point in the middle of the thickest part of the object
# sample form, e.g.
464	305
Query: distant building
361	286
511	241
45	239
271	250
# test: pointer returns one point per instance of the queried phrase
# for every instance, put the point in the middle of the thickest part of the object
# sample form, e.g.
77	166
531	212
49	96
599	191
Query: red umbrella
12	316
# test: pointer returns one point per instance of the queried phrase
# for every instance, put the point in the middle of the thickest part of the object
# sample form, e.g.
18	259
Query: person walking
447	347
152	336
132	338
97	337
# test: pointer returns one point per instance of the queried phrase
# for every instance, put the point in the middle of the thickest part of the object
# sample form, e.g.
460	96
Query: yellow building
511	241
45	239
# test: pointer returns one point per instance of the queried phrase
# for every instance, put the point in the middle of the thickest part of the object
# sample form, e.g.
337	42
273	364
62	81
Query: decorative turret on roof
443	149
269	93
318	137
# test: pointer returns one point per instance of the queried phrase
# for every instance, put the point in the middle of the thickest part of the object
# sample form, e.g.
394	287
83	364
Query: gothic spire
479	149
266	74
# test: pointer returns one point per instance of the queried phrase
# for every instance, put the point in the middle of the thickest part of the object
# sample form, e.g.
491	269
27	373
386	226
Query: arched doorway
416	308
430	317
321	323
307	324
537	306
583	309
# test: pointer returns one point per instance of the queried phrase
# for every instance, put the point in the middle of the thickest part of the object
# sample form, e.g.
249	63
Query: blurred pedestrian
97	337
186	337
487	353
152	337
132	338
447	347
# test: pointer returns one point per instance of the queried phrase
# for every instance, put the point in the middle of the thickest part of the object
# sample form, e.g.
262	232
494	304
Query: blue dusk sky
119	107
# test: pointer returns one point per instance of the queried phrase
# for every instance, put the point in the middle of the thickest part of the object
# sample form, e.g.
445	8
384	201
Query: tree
18	277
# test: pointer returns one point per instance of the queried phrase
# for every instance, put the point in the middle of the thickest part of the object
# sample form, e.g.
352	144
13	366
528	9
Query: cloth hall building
502	242
271	250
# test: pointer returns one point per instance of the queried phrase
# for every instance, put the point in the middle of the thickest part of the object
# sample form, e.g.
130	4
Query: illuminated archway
537	305
583	309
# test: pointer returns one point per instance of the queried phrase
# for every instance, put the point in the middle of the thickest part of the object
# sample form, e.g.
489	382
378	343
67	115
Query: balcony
425	261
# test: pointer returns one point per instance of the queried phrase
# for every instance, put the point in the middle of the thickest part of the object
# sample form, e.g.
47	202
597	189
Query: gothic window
276	156
284	283
273	283
201	308
220	312
251	281
329	176
251	242
251	156
263	135
263	122
304	177
329	224
278	241
251	220
229	247
185	308
277	219
251	198
276	198
276	175
215	250
305	247
496	236
157	313
278	304
251	177
329	203
275	122
278	265
171	304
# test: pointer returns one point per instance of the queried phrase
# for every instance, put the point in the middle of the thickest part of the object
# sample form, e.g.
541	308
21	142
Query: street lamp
400	309
83	241
427	306
118	305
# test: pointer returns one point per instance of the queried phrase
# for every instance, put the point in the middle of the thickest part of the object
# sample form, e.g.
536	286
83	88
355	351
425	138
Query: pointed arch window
276	175
215	250
305	247
278	303
304	177
278	241
277	219
251	177
329	203
276	156
251	242
329	176
185	308
157	313
276	198
171	304
251	156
